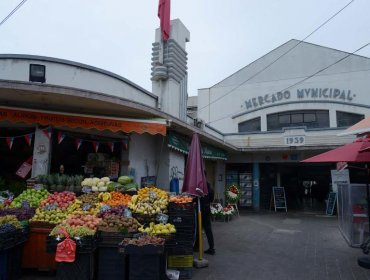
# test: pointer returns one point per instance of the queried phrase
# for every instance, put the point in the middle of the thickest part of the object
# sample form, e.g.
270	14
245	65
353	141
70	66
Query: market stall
109	230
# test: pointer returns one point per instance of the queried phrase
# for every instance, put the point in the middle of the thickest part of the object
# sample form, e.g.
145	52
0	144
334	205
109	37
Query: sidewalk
281	246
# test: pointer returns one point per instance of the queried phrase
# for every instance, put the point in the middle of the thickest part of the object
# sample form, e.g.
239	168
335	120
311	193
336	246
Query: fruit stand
118	230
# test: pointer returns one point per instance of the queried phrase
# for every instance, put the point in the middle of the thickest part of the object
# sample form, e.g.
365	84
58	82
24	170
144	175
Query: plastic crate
182	220
81	269
184	261
147	267
10	263
111	264
181	207
111	238
86	244
185	273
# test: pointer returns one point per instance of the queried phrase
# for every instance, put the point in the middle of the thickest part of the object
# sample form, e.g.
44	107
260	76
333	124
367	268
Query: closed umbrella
195	182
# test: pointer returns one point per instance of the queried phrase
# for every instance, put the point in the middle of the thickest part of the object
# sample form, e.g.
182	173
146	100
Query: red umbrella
352	152
195	182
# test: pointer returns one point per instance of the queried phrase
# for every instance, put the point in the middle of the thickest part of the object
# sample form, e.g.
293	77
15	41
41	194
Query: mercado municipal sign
334	94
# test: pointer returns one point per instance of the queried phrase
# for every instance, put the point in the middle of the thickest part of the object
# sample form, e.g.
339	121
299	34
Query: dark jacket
206	200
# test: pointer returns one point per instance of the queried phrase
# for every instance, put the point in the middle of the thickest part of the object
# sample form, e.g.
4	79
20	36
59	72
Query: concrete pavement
281	246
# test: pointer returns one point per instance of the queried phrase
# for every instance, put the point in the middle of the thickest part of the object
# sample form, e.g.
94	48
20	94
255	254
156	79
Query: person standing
205	206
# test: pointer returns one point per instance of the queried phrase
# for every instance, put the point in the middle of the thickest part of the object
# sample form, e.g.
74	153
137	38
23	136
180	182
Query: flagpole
200	231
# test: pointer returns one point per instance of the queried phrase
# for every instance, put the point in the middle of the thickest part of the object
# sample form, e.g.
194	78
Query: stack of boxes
180	248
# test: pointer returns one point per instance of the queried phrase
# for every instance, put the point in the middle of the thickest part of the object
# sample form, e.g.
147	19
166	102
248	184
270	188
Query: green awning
181	143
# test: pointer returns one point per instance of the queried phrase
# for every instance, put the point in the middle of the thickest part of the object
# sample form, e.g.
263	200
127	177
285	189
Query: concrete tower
169	70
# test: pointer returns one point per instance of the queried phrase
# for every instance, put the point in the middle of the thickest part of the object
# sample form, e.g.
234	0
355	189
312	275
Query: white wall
177	160
349	75
142	155
72	75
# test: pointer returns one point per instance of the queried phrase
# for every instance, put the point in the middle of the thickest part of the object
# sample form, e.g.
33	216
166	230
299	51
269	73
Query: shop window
297	118
308	118
345	119
250	125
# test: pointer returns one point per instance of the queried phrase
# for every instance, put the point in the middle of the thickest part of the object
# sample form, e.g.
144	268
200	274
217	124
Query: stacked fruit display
34	197
73	231
149	201
114	223
117	198
61	200
180	199
78	219
53	215
10	220
96	184
158	229
22	214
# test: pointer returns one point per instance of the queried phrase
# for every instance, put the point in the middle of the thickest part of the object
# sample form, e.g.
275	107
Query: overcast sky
117	35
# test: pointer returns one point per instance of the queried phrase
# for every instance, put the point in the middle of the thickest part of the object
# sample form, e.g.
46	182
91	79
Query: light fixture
37	73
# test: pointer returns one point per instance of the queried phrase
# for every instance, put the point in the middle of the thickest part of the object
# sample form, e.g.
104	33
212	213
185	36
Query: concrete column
263	122
333	118
256	186
41	153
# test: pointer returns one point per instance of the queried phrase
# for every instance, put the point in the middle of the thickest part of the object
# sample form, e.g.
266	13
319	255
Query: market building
282	108
93	122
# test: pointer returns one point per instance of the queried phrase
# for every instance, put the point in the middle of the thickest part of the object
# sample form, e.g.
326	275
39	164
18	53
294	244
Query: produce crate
111	264
183	261
180	247
8	240
81	269
110	239
147	267
86	244
144	219
34	251
185	273
182	220
38	225
10	262
181	207
141	250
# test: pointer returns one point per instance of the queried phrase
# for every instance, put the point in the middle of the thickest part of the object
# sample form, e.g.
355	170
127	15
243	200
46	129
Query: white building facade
284	107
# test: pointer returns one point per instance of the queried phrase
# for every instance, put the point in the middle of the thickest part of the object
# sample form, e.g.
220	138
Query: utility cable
305	79
278	58
12	12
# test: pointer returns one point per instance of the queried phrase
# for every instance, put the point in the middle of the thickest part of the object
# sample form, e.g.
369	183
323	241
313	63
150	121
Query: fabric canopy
151	126
181	143
362	127
352	152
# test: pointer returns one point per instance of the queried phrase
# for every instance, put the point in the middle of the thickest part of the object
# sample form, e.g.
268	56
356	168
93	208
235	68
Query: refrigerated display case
352	213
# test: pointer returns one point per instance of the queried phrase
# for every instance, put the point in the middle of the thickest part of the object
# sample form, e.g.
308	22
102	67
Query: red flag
111	146
28	138
60	137
124	144
96	145
164	8
9	141
78	143
47	132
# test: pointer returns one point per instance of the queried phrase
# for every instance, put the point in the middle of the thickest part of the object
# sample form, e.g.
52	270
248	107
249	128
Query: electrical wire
278	58
305	79
12	12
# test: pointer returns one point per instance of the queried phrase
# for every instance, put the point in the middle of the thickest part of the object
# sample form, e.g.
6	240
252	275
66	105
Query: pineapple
60	181
51	182
77	182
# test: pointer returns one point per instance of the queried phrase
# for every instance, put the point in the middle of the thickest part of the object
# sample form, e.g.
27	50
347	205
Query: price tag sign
86	206
127	213
295	140
153	194
38	187
25	204
24	169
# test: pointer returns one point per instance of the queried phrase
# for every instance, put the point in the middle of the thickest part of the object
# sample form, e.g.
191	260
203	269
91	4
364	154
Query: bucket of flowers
217	212
228	212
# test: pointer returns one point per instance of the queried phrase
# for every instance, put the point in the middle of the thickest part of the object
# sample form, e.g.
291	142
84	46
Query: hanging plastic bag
66	250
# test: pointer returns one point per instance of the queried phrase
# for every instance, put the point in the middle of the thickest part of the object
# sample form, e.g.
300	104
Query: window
345	119
250	125
307	118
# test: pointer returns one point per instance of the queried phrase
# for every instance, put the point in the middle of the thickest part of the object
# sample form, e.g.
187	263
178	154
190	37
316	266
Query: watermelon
123	180
131	187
